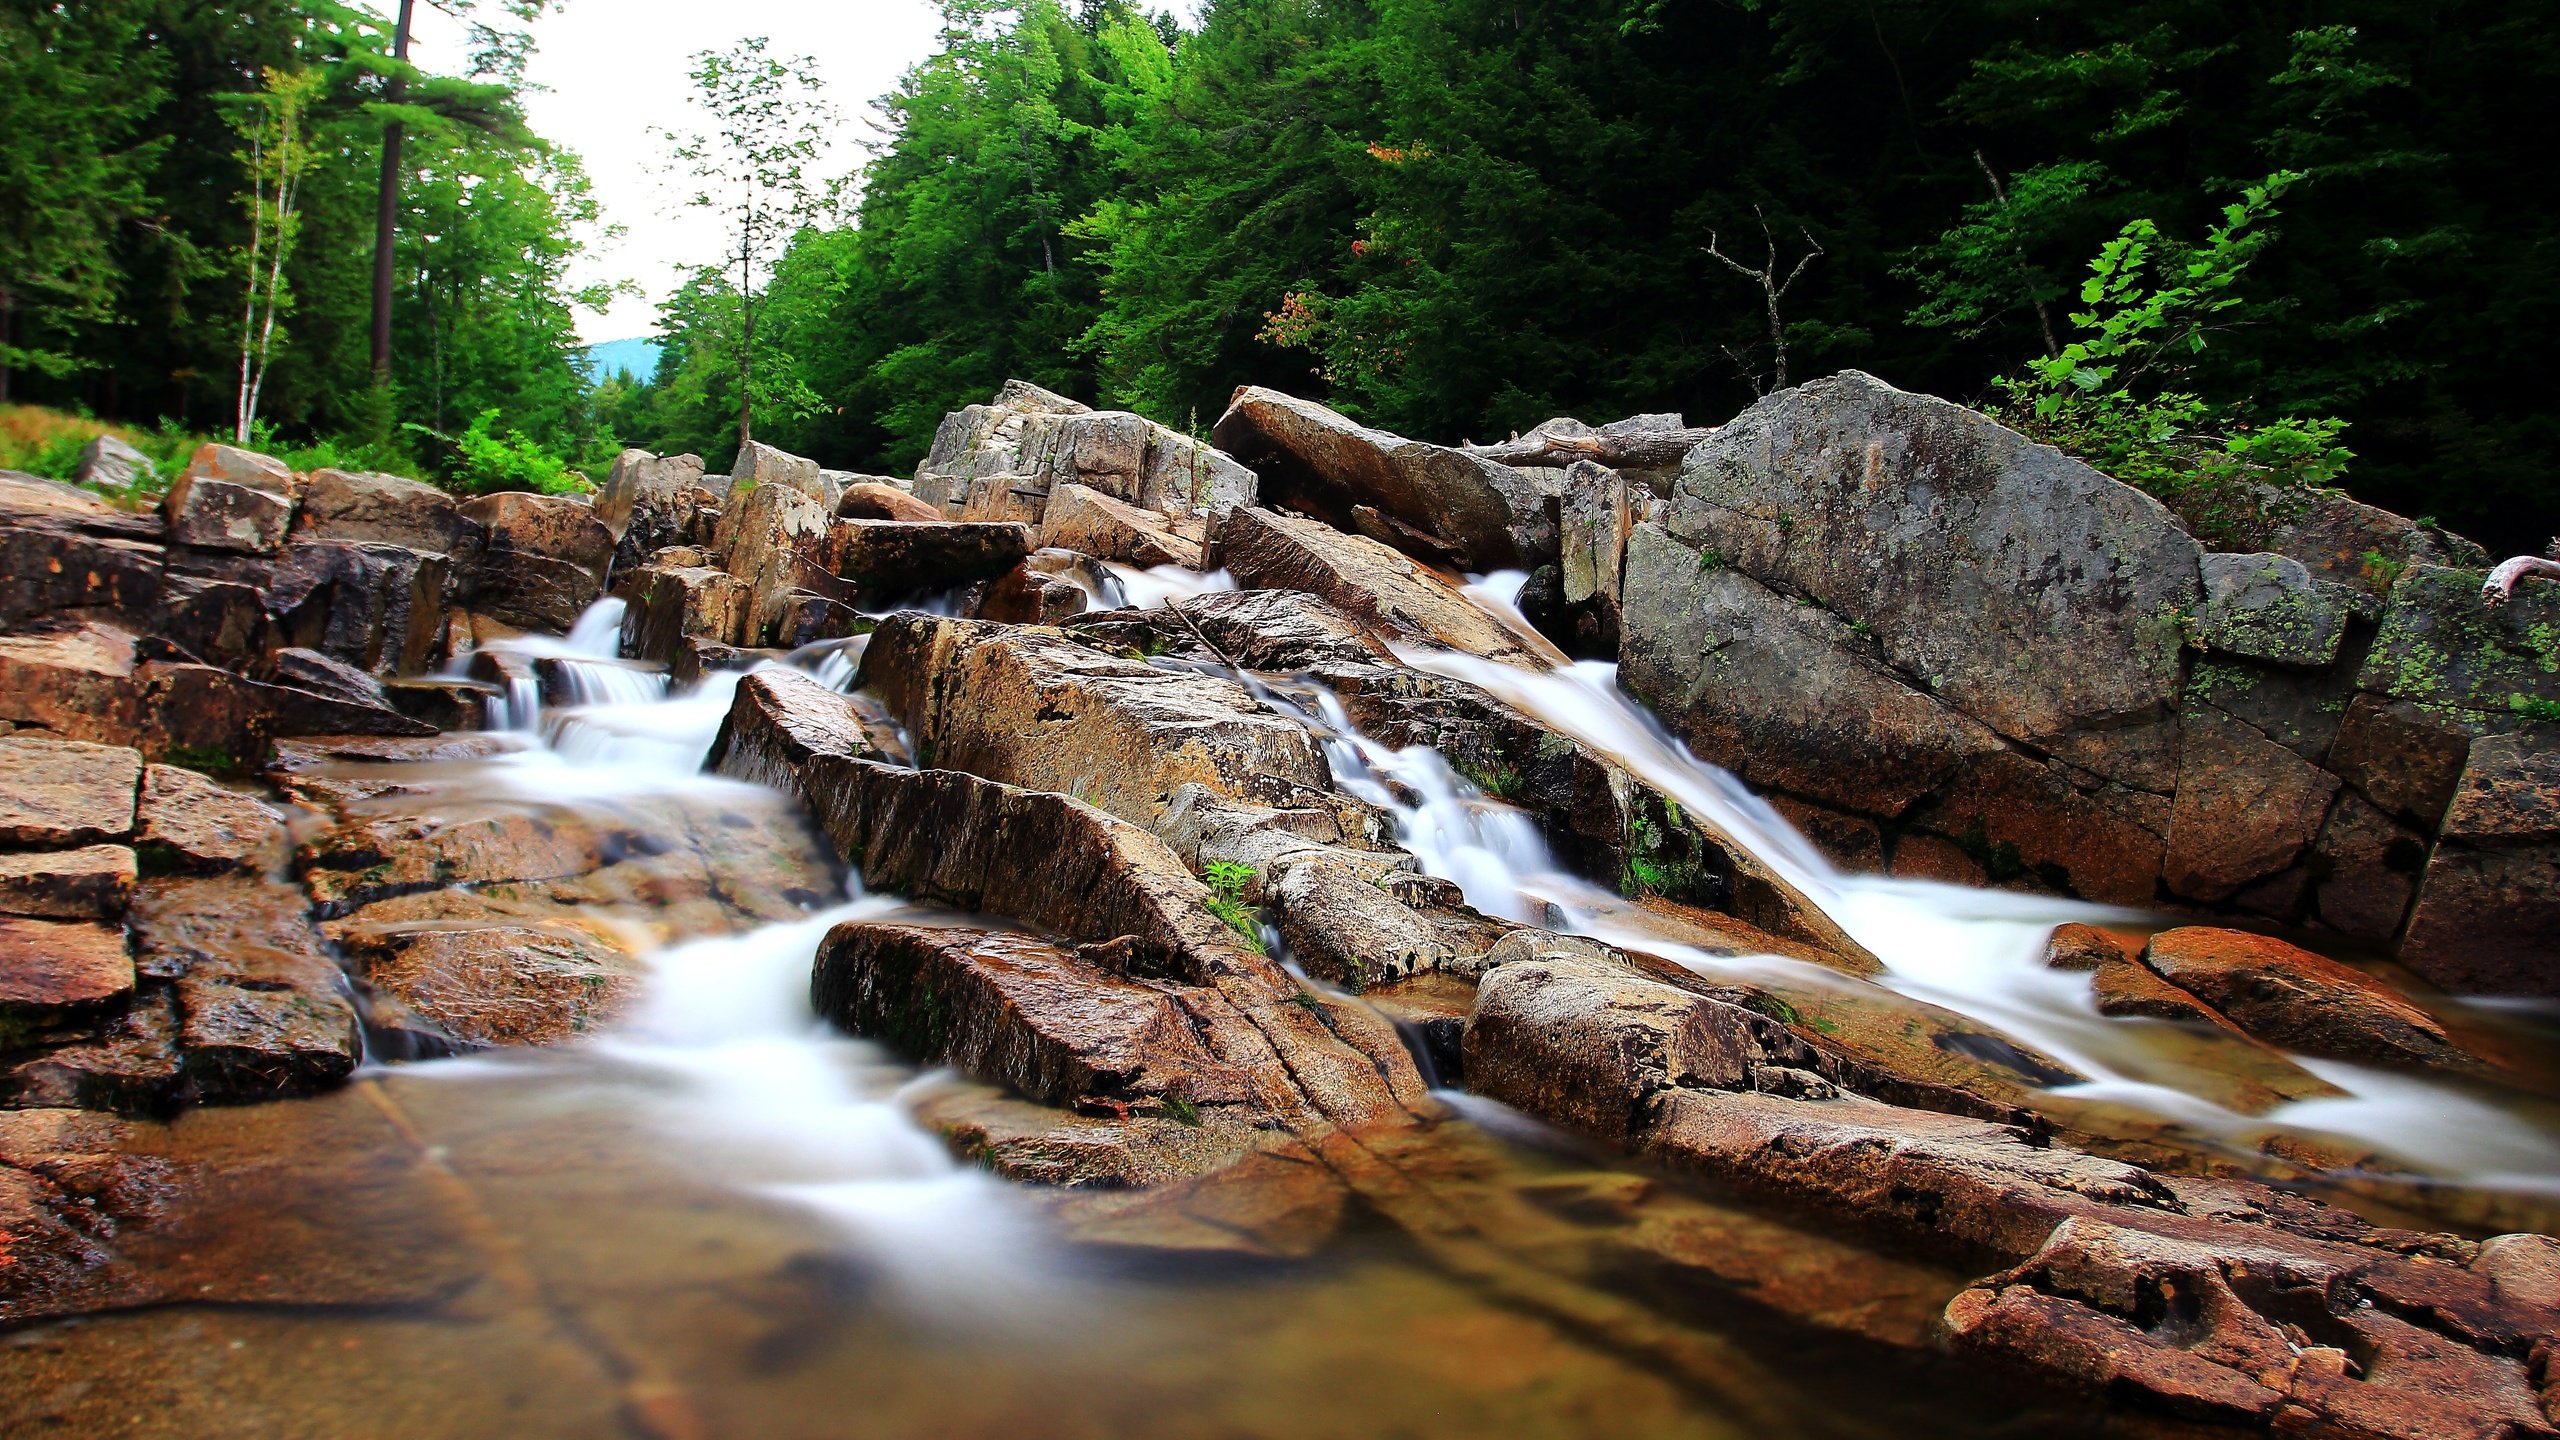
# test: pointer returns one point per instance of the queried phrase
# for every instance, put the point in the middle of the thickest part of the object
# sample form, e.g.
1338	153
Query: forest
1451	218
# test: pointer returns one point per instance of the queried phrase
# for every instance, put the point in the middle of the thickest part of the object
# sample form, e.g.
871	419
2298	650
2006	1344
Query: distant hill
637	358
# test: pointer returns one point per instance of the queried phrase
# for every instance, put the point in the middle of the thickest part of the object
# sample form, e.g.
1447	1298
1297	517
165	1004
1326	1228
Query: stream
719	1217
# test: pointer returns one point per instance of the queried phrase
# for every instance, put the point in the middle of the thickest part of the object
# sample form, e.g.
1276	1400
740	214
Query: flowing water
719	1218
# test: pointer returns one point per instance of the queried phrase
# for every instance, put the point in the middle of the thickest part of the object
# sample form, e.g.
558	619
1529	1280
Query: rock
2370	866
228	465
442	702
189	823
361	506
2015	584
883	500
2268	607
1784	695
1587	1043
74	553
212	514
1018	1012
2490	901
648	502
310	670
779	546
2298	709
2120	986
1597	518
380	608
486	985
54	972
1446	505
541	562
2338	539
1283	631
91	883
78	682
1270	551
2246	808
670	605
1003	462
2439	646
128	1063
111	464
1088	521
1026	595
2293	998
2403	757
1033	708
886	562
2025	821
371	859
759	465
63	793
262	1009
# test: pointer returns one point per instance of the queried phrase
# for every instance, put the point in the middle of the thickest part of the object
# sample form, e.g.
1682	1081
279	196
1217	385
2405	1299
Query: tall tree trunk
386	203
8	327
746	348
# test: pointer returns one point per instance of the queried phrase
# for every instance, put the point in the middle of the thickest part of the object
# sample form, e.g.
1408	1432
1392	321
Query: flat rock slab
66	792
59	970
188	822
2291	997
91	883
1266	550
502	984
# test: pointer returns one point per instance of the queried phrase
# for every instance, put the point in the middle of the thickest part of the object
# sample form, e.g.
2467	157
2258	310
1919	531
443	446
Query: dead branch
2503	580
1640	450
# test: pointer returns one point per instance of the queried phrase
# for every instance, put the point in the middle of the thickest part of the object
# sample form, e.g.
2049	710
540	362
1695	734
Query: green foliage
1228	884
2117	395
2545	712
484	461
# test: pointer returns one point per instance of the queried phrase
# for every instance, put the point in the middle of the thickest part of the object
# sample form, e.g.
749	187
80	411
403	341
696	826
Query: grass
47	442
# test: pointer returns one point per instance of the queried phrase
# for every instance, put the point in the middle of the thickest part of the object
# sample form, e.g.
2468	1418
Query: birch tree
274	127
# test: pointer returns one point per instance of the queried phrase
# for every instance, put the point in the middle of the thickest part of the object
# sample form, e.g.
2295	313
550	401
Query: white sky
611	69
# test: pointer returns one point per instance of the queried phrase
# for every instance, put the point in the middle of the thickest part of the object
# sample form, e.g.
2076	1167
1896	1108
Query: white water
723	1055
1979	953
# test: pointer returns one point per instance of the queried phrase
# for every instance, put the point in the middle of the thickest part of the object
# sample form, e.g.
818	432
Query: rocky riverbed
1118	933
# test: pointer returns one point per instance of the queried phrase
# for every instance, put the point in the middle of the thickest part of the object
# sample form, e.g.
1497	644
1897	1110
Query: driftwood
2503	580
1636	449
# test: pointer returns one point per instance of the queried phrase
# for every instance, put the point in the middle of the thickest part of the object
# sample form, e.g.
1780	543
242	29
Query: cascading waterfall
1978	953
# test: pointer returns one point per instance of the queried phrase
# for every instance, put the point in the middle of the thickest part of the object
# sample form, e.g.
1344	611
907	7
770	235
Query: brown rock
889	561
189	823
213	514
1034	708
539	561
1482	515
2291	997
1018	1012
77	681
499	984
646	502
371	859
1095	524
2402	757
1587	1043
379	608
2335	534
92	883
262	1009
878	500
61	555
2246	808
2371	865
65	792
381	509
442	702
2490	902
2021	819
2122	987
1266	550
233	466
1028	595
672	605
56	971
129	1064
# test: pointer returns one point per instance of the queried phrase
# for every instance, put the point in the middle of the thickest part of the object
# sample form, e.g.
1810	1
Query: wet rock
1036	709
262	1009
538	562
1029	594
220	622
1785	695
1088	521
442	702
54	972
884	500
91	883
2490	899
889	561
2268	607
310	670
646	503
1266	550
671	605
1359	922
186	822
780	721
1444	504
2025	821
488	985
371	859
2370	866
111	464
2246	808
1018	1012
2018	586
129	1063
2293	998
215	720
2439	646
68	1184
2121	986
379	608
1587	1043
379	509
63	793
72	552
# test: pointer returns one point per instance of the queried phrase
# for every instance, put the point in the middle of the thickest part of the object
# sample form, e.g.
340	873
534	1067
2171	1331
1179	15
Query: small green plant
1179	1110
1710	560
2545	712
2381	568
485	462
1228	884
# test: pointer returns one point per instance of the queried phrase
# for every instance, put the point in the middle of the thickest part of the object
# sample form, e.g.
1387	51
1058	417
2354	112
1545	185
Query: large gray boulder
1003	461
379	509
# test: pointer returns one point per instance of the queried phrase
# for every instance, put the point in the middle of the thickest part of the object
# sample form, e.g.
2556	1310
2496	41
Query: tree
754	170
273	123
1772	289
73	163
